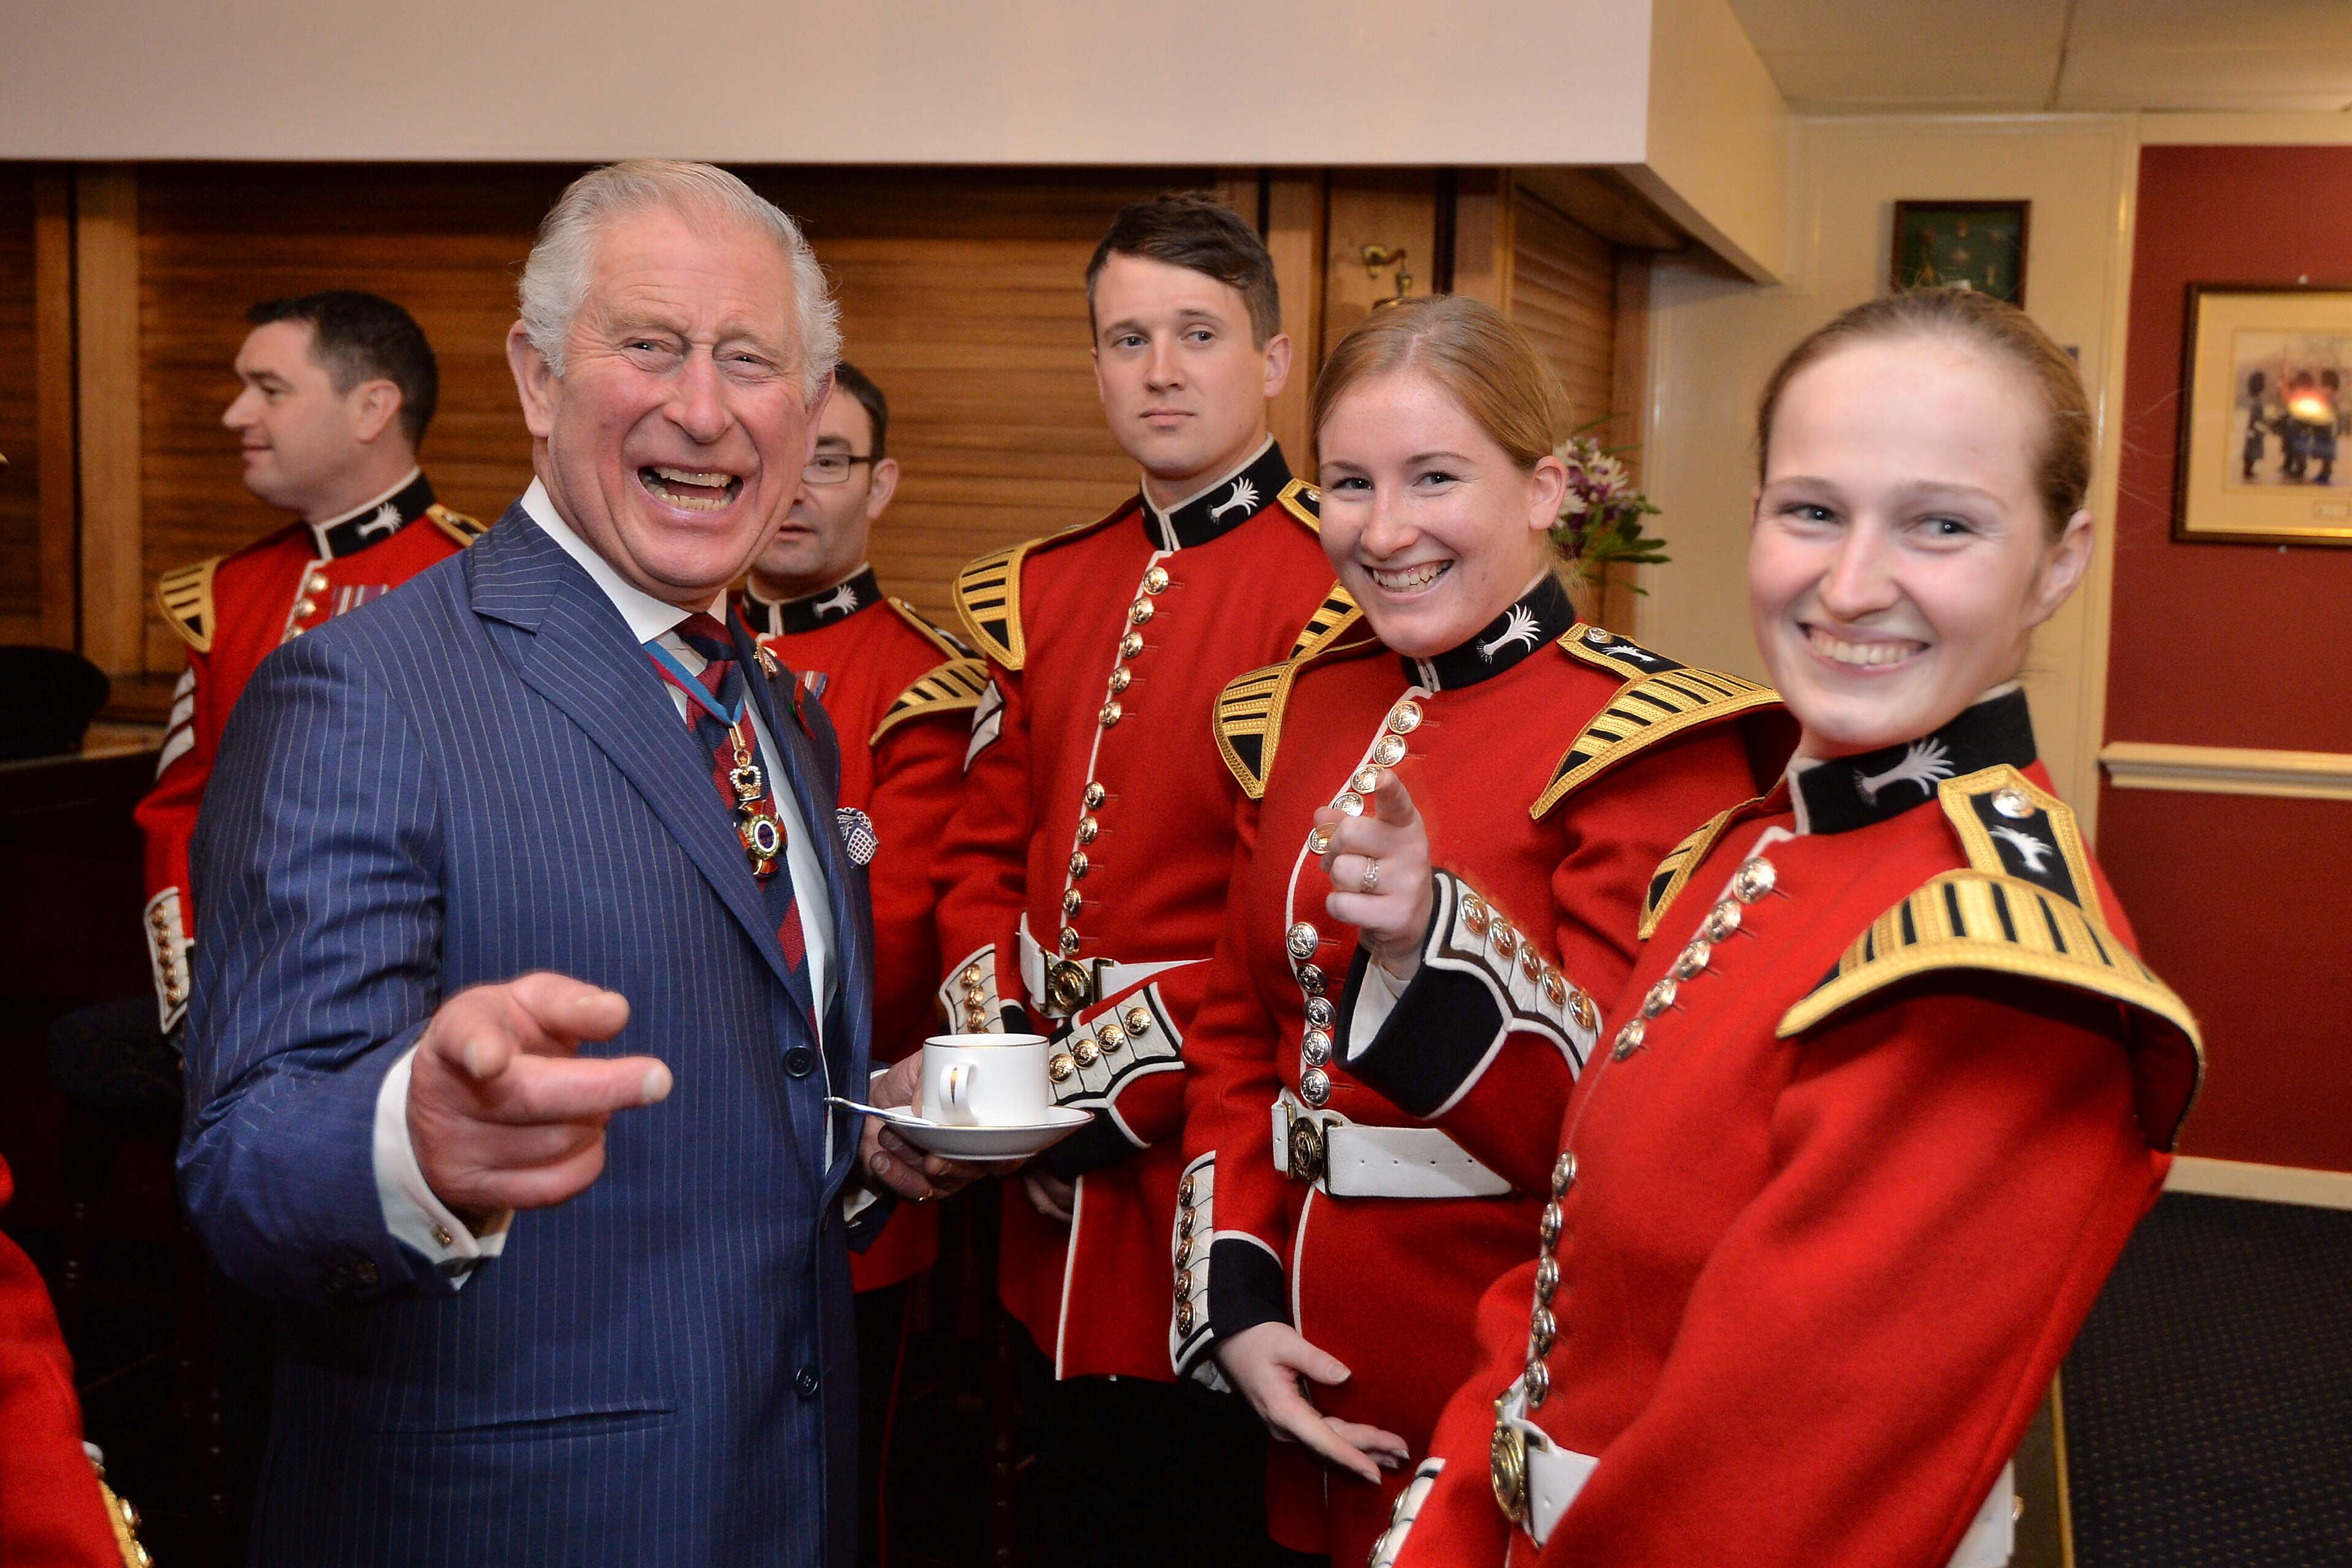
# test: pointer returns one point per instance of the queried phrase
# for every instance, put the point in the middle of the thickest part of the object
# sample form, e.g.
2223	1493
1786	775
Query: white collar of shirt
318	529
648	617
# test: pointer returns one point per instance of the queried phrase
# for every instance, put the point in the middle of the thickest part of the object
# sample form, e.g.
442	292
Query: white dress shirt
411	1211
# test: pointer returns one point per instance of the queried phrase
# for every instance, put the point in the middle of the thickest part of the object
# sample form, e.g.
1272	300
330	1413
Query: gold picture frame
2265	415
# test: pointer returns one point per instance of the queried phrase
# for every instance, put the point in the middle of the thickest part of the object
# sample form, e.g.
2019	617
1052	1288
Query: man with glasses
900	692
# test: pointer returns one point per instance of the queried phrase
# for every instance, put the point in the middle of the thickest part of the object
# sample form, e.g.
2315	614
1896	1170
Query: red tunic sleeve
52	1515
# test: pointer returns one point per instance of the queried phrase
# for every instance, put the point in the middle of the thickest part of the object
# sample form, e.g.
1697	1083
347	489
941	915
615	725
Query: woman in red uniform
1888	1089
1344	1200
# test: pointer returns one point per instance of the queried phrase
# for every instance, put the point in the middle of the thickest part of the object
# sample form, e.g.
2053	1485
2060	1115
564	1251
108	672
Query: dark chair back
47	698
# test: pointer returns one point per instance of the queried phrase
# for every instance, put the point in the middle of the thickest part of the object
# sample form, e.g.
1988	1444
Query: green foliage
1602	513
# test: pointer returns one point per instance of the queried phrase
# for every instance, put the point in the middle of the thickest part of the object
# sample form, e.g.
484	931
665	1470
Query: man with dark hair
899	691
1082	881
338	387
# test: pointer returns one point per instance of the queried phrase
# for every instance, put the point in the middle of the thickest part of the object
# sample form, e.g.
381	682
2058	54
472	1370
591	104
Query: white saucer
986	1144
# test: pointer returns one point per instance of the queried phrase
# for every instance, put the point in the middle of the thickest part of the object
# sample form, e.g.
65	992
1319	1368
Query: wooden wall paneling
20	483
963	295
54	474
1481	236
1630	397
107	391
1389	207
1561	291
1296	215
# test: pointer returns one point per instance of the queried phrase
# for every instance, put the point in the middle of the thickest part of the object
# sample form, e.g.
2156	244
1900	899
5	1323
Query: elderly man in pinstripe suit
490	867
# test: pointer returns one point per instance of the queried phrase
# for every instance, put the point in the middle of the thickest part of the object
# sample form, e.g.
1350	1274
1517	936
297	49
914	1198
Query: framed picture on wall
1961	244
2265	414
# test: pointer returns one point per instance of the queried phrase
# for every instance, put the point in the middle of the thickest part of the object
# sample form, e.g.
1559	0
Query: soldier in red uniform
1889	1088
55	1510
905	689
1084	878
1547	763
338	390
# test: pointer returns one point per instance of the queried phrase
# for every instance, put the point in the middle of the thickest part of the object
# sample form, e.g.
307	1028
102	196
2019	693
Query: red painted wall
2243	903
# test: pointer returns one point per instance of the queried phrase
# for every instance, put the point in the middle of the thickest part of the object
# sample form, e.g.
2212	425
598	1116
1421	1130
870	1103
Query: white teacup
986	1080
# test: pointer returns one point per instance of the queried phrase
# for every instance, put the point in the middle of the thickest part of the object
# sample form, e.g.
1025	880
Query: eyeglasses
831	468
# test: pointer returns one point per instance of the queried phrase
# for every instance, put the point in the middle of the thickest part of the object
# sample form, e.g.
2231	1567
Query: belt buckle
1306	1152
1070	986
1507	1468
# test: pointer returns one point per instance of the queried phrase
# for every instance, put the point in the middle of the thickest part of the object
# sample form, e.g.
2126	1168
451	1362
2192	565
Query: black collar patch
1535	620
1222	507
354	532
1850	793
769	617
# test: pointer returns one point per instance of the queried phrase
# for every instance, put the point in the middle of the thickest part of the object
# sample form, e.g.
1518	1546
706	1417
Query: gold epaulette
1328	624
1249	722
2027	905
1659	699
1674	873
1305	502
988	592
988	597
460	528
944	688
938	636
186	596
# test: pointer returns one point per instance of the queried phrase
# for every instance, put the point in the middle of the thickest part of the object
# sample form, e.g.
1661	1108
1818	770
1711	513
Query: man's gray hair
555	278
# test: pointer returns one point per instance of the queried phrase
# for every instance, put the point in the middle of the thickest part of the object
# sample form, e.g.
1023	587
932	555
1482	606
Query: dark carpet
2209	1399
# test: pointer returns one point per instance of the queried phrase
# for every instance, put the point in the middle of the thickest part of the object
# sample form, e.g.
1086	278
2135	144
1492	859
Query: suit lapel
584	661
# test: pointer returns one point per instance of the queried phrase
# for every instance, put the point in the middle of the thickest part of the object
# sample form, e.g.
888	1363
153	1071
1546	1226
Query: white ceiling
1977	57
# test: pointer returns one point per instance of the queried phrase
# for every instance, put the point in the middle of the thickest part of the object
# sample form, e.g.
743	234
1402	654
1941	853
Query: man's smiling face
674	441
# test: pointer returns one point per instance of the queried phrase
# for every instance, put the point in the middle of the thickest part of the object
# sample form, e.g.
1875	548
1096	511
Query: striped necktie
718	711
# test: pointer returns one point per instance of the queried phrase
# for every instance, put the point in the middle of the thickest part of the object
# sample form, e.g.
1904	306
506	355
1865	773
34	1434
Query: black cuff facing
1098	1145
1245	1288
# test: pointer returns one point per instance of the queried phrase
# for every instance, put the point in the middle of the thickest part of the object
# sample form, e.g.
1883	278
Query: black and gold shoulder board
2027	905
1328	624
1249	722
950	687
1674	873
1305	502
464	529
988	597
938	636
988	592
1659	699
185	595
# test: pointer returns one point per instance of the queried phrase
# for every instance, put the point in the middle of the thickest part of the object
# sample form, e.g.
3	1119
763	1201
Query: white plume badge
1520	627
841	601
1244	496
385	520
2029	850
1924	763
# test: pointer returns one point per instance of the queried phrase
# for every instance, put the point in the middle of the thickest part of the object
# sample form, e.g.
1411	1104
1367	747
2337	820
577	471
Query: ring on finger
1372	877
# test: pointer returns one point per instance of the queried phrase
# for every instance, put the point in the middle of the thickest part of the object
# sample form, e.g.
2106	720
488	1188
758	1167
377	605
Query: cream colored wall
1717	158
1714	338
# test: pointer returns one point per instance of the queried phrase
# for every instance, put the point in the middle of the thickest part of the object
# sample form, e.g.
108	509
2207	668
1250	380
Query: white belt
1541	1478
1109	979
1353	1159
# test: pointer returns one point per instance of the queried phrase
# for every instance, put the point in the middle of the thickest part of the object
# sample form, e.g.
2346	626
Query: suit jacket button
366	1270
804	1382
800	1061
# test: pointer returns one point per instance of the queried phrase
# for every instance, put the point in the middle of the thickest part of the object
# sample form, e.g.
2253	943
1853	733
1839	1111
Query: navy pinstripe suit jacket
477	775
